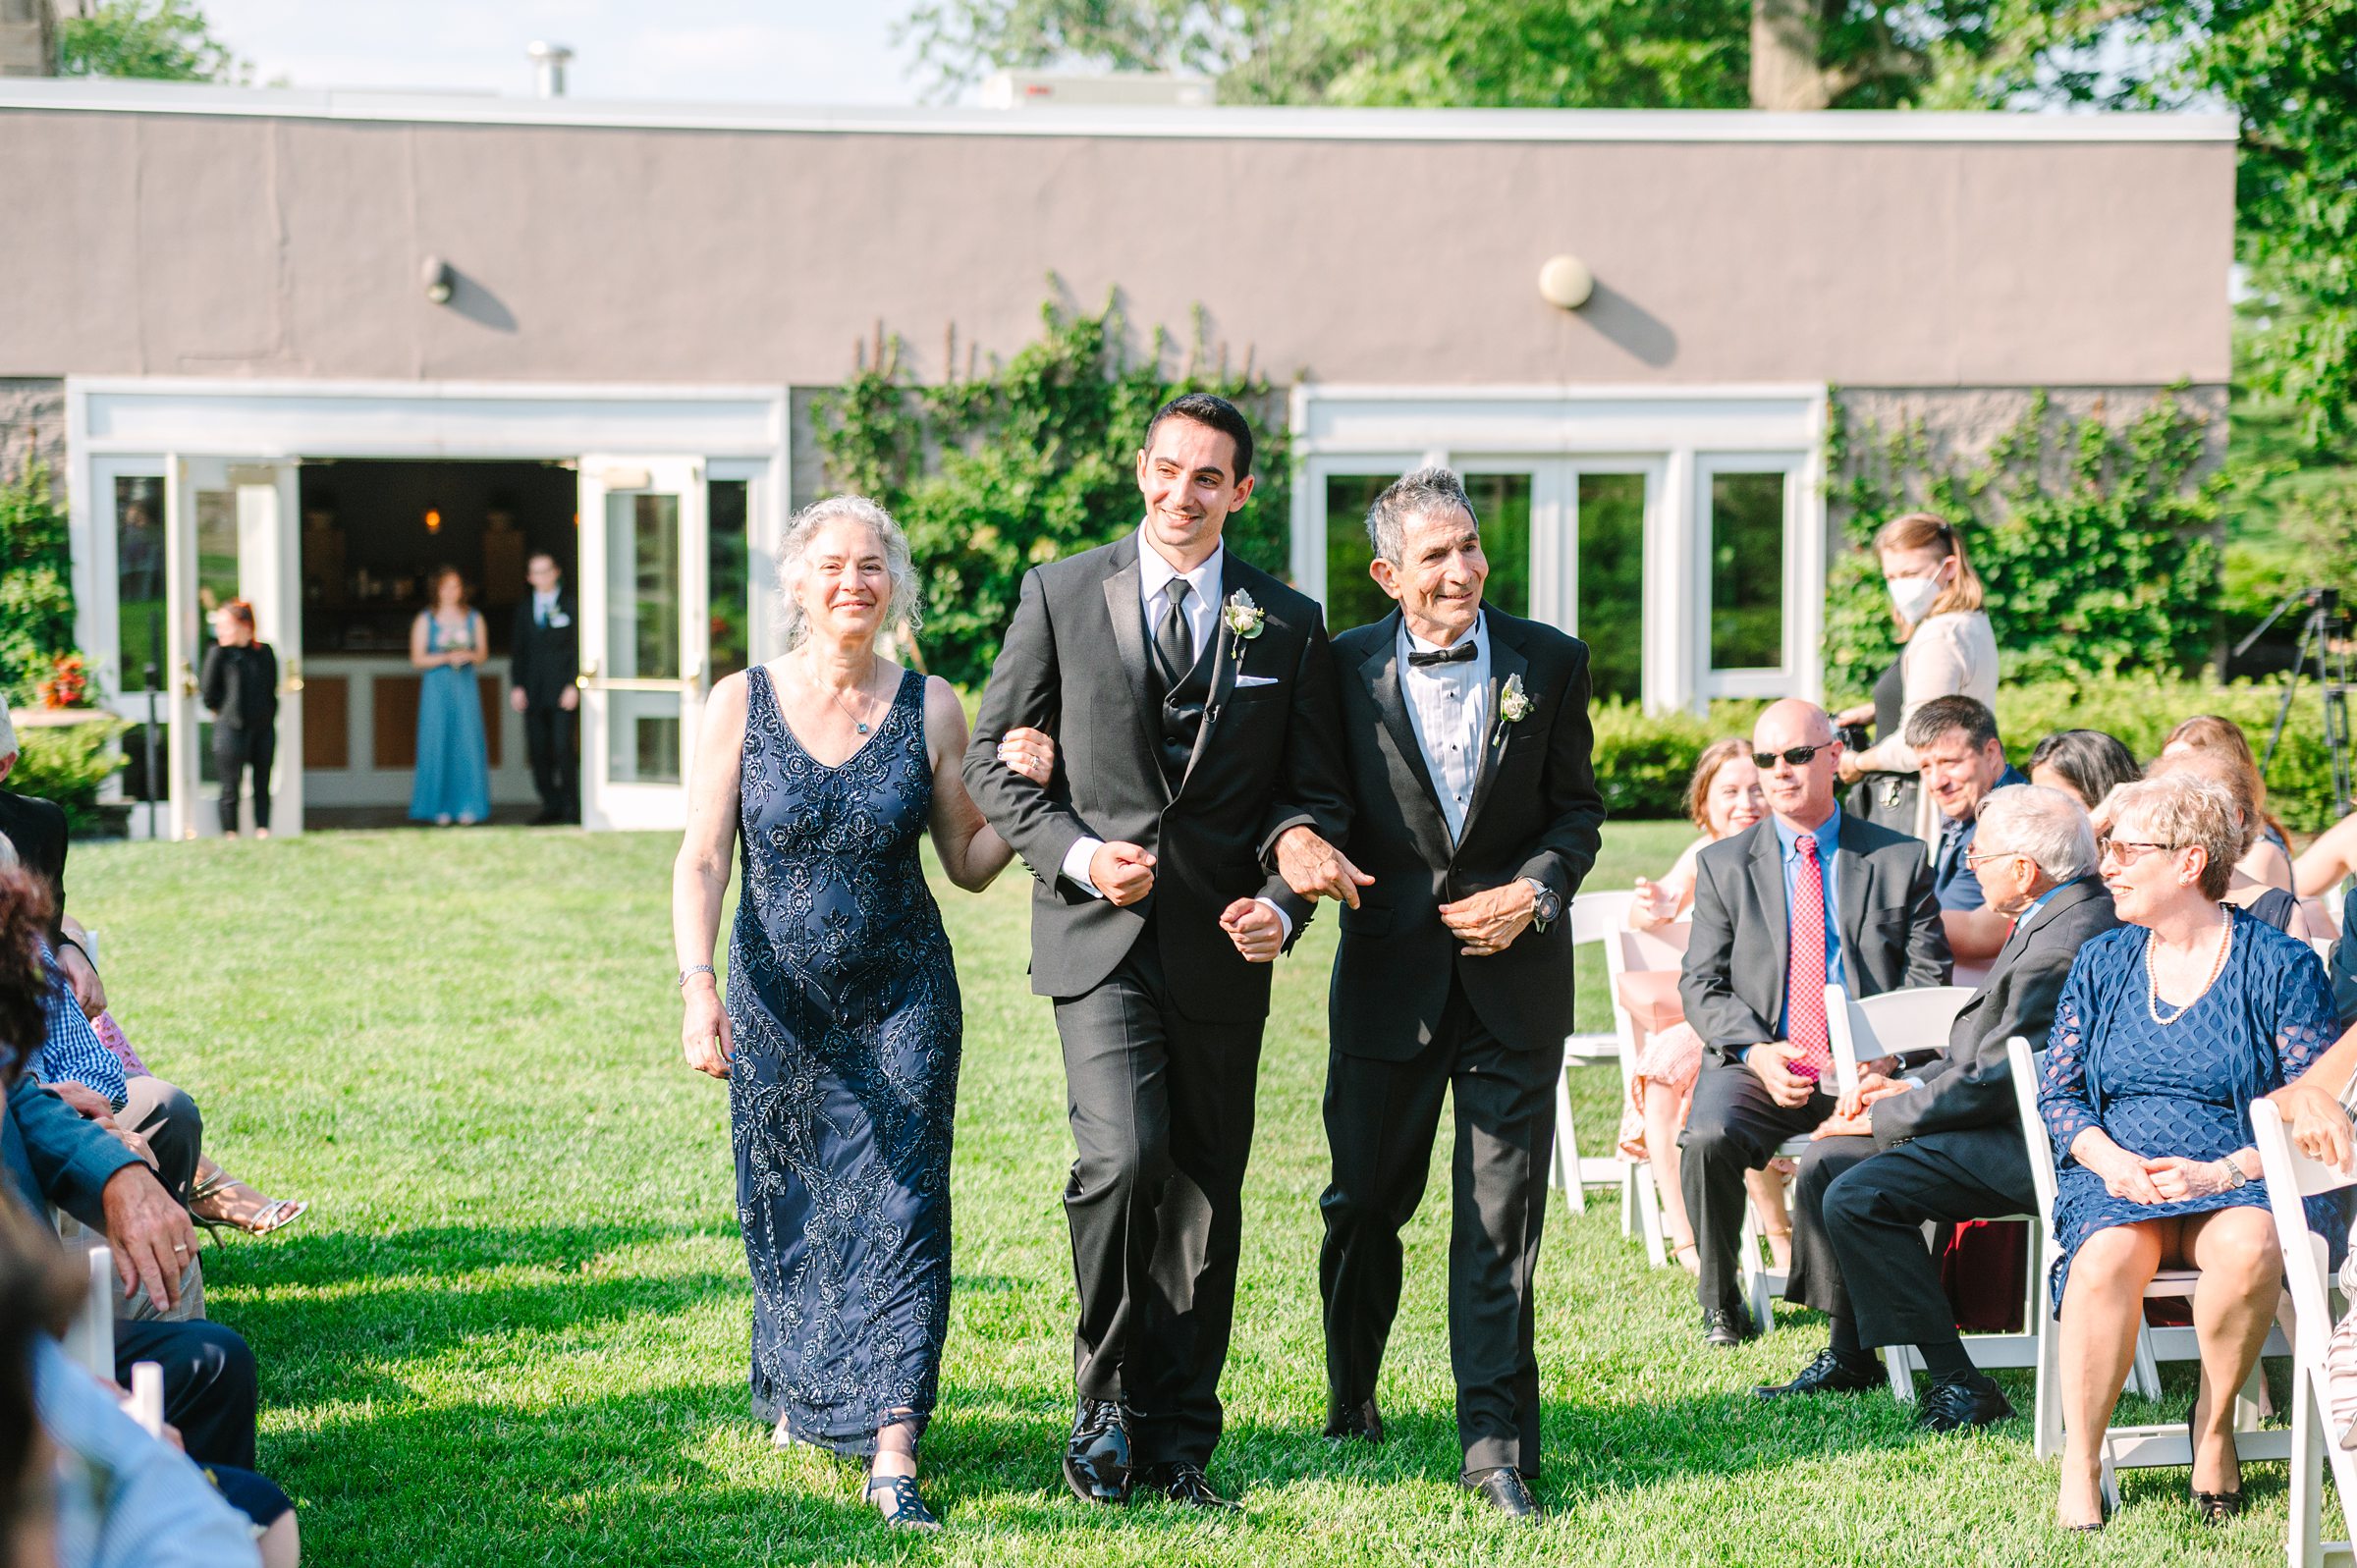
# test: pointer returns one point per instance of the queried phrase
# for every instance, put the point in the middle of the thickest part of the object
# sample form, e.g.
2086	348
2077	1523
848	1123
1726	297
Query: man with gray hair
1944	1143
1466	731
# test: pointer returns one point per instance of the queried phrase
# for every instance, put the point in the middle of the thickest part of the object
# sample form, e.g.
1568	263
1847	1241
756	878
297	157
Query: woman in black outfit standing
240	688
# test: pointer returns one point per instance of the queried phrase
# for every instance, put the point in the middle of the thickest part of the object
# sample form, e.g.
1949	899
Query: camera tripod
2324	641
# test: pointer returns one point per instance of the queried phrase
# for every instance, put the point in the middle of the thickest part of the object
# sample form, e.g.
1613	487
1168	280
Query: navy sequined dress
2183	1088
845	1004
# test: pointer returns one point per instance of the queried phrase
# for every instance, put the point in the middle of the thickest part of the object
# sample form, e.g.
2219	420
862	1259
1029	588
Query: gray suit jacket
1971	1086
1733	980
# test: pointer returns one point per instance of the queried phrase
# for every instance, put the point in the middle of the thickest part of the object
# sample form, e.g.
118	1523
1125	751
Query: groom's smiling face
1188	477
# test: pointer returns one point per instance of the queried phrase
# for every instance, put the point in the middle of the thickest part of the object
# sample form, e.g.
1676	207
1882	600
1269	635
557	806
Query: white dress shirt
544	608
1450	707
1155	573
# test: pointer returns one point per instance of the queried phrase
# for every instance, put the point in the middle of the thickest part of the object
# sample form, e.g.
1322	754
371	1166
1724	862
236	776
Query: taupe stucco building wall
290	243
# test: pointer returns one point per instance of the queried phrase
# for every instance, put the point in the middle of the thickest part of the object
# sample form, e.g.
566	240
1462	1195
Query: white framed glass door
645	600
229	533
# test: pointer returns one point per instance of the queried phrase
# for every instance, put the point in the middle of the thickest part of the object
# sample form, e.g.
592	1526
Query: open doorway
373	534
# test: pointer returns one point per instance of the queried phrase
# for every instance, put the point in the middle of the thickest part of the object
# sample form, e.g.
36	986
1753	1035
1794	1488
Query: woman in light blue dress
453	771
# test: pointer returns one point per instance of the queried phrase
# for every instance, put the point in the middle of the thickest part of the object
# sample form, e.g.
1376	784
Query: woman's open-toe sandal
212	1204
908	1510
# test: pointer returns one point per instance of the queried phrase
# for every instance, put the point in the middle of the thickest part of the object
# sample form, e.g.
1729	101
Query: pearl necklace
2151	980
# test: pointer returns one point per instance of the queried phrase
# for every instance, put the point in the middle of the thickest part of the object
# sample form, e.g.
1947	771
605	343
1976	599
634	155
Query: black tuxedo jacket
1535	812
1970	1087
36	828
1268	757
544	659
1733	978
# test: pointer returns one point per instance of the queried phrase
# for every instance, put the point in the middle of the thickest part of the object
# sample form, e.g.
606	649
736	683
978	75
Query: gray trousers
164	1114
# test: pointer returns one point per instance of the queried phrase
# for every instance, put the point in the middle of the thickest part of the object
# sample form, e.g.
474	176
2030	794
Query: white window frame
1666	432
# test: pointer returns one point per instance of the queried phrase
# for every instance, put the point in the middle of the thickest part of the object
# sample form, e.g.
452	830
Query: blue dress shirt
73	1051
1787	840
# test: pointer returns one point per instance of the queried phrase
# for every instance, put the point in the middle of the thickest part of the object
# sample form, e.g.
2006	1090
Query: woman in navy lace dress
840	1035
2168	1028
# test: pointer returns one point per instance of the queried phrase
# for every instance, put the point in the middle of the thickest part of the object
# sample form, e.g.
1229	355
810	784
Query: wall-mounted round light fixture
433	520
438	280
1565	281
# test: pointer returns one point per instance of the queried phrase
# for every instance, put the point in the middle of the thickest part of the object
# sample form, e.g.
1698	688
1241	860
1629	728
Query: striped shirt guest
73	1051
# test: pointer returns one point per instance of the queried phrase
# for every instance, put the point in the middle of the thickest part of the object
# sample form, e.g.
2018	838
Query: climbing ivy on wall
1007	466
2097	543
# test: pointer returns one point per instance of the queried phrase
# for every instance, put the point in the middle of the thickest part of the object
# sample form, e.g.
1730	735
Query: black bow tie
1464	653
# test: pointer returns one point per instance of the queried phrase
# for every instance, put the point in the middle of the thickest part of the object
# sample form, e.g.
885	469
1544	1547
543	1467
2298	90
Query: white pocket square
1256	680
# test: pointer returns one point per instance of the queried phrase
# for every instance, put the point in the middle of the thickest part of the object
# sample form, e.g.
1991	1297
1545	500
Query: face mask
1913	597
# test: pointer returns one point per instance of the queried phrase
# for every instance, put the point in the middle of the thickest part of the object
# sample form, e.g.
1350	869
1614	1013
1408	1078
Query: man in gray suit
1805	898
1944	1143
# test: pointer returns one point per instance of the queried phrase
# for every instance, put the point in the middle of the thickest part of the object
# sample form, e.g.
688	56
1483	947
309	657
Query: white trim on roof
87	95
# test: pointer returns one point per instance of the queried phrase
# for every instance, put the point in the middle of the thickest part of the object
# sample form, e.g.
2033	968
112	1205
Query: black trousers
1161	1108
1381	1117
1858	1249
209	1386
165	1116
1733	1127
234	751
551	737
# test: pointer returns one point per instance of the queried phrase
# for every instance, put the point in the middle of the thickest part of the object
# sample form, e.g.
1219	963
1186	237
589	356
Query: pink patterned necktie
1804	977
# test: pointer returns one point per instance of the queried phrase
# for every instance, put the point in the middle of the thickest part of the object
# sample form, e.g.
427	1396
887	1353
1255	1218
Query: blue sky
779	51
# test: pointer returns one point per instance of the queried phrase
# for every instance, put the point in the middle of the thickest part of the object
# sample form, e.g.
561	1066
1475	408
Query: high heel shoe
2103	1516
2215	1508
908	1510
275	1214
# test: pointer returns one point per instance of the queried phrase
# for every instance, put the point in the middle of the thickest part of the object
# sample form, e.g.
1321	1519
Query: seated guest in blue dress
447	641
1955	744
2168	1028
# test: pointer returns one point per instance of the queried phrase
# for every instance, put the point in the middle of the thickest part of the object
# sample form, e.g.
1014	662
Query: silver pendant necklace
2152	979
857	722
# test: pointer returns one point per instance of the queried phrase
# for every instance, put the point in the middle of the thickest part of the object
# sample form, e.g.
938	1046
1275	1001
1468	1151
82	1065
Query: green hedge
1642	763
67	764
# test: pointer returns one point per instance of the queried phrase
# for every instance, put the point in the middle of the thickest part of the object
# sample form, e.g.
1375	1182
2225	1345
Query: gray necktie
1175	638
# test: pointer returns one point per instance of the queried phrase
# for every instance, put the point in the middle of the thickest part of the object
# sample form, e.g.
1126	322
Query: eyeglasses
1974	859
2117	849
1797	756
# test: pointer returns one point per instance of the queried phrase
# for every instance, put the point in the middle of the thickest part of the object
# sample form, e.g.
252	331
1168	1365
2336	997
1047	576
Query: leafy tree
37	593
162	40
1015	465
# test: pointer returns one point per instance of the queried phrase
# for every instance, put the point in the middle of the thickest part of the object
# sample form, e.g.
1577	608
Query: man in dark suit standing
1944	1143
1807	898
543	663
1192	704
1476	816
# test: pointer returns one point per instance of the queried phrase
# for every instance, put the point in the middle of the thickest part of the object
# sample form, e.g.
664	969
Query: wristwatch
1545	907
2236	1176
694	969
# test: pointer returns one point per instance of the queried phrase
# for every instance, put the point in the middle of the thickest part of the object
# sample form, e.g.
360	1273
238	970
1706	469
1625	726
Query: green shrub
67	764
1643	762
36	573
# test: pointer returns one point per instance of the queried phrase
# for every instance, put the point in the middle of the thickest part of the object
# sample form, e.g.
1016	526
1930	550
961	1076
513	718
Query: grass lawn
513	1328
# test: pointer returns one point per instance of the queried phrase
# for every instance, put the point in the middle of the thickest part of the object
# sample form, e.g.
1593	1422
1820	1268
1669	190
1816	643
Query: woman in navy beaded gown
2168	1028
841	1033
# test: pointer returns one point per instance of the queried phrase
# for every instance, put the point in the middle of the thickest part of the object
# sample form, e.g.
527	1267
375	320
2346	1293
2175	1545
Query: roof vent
1120	89
548	69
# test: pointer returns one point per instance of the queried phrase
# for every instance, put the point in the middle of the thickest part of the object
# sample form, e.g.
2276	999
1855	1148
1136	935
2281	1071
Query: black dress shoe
1829	1374
1096	1461
1970	1400
1727	1327
1183	1480
1361	1423
1503	1489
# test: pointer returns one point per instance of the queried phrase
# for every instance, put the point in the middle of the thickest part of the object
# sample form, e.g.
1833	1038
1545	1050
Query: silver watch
696	969
2235	1174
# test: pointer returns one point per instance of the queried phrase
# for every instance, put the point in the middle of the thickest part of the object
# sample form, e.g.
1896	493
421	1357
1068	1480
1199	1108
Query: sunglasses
1797	756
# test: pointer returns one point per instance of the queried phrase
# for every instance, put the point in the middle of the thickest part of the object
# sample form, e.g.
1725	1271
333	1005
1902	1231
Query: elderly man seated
1804	898
1944	1143
1954	740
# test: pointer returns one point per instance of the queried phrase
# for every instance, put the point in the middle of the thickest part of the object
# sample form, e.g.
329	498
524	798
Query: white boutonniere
1513	703
1243	618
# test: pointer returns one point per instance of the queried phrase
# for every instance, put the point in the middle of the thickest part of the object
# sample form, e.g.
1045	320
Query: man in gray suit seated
1807	898
1943	1142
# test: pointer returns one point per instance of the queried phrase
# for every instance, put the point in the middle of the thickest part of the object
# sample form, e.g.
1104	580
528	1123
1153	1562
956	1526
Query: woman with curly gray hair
841	1031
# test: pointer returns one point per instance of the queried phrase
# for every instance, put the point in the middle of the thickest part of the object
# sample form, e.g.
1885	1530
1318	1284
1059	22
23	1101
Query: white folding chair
2290	1176
1595	916
90	1341
1661	948
2124	1447
1857	1030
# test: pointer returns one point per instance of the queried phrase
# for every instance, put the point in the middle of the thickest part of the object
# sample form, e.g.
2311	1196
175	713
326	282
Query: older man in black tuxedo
1943	1143
1476	816
1810	897
1191	699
